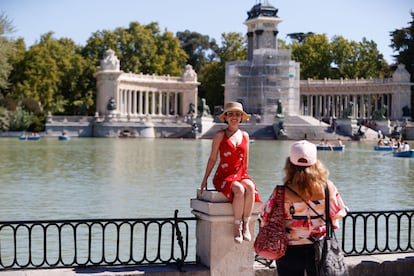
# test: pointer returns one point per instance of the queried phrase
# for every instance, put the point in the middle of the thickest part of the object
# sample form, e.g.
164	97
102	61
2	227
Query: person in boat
339	142
381	142
324	143
305	180
406	146
231	177
399	145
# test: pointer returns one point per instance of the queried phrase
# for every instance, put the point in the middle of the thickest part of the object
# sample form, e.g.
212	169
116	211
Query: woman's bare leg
248	207
238	207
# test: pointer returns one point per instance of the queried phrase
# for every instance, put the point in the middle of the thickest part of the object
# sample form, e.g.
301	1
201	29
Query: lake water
88	178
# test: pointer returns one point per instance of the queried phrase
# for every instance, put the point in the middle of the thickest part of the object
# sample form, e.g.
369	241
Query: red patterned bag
271	241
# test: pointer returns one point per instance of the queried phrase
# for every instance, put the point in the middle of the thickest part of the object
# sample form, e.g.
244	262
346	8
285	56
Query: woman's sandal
238	234
246	231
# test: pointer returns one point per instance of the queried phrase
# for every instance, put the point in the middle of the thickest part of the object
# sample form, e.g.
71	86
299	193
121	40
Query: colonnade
349	105
122	96
157	103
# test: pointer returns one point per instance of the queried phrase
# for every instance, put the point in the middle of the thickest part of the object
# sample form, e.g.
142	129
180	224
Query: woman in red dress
231	177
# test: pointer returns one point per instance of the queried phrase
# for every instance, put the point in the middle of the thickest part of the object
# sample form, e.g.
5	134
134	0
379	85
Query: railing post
215	247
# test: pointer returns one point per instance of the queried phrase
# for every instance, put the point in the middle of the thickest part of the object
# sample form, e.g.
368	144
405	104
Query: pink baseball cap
303	153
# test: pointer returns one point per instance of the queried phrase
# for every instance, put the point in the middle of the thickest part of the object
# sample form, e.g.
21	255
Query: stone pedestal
216	247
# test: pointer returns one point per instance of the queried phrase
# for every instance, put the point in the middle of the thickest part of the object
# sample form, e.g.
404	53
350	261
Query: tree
6	48
299	37
212	75
40	75
340	58
370	62
55	75
403	42
314	55
140	49
20	120
198	48
357	60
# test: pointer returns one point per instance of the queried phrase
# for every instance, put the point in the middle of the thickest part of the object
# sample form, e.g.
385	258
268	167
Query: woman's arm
212	159
246	135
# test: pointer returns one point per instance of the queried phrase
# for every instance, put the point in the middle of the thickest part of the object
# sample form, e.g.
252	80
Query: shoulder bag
329	258
328	253
272	241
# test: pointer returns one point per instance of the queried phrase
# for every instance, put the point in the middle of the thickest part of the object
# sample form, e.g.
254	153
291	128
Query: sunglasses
231	114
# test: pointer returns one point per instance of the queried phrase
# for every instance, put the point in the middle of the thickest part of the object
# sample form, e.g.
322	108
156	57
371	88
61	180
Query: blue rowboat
384	148
29	137
408	153
328	147
63	138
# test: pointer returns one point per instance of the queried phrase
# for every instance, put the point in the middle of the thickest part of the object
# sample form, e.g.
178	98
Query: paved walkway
386	264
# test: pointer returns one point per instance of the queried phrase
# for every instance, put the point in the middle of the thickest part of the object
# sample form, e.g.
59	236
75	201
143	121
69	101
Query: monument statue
349	110
204	109
191	108
279	110
110	62
111	104
189	74
406	111
380	113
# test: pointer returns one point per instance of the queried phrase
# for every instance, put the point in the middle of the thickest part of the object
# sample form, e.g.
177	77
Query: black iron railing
377	232
373	232
152	241
97	242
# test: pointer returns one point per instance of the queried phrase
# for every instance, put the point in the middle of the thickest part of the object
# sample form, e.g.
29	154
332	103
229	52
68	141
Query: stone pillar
215	247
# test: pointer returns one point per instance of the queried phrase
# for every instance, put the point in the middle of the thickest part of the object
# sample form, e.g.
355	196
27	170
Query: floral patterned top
302	224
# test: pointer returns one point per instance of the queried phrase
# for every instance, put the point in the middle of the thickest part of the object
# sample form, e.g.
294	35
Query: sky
78	19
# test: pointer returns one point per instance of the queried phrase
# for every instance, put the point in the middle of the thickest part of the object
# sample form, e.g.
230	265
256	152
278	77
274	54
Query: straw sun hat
233	106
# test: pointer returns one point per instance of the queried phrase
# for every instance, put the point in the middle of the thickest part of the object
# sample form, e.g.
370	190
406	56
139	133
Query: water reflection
122	178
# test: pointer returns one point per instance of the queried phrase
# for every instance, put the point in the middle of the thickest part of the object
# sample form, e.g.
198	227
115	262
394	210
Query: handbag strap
280	199
328	221
293	191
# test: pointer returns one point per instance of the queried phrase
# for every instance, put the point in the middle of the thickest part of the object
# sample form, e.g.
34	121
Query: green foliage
140	49
54	74
4	119
233	47
198	48
403	42
319	58
38	123
20	120
314	55
212	75
6	48
212	78
299	37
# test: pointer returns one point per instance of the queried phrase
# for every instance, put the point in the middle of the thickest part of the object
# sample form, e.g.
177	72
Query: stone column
167	103
153	95
215	247
146	104
140	102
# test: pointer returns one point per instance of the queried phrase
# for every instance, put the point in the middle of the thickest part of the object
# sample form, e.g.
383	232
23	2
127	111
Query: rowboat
384	148
408	153
329	147
63	138
25	137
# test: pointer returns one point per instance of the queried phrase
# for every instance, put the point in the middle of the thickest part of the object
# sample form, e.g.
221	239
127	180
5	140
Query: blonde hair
306	180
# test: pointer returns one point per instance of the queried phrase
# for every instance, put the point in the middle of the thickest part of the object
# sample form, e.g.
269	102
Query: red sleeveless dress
232	167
